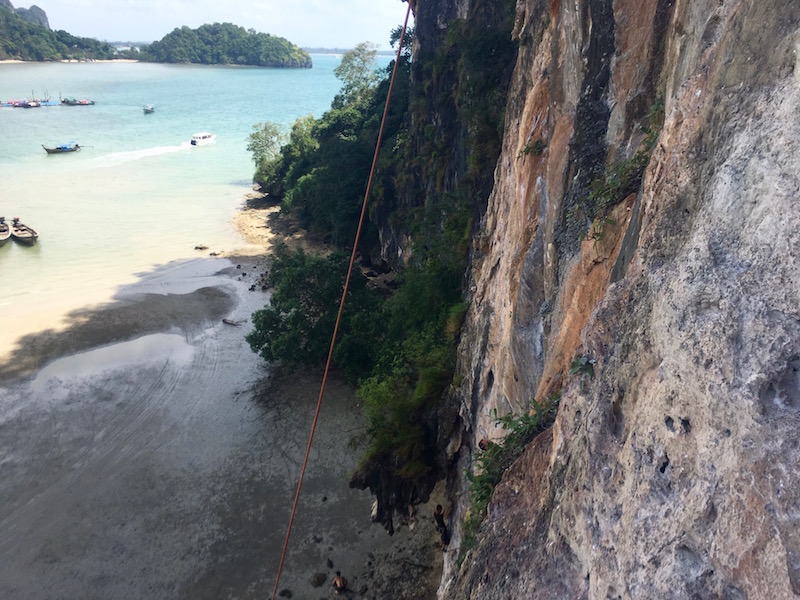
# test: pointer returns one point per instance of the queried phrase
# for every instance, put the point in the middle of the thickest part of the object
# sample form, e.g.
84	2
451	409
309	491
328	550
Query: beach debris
201	247
318	579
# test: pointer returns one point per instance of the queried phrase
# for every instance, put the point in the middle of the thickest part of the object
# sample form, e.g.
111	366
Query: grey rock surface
672	473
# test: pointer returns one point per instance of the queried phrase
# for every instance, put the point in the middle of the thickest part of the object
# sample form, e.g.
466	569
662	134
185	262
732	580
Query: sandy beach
148	453
13	61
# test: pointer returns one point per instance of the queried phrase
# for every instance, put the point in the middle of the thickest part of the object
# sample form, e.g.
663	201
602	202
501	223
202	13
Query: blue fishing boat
70	147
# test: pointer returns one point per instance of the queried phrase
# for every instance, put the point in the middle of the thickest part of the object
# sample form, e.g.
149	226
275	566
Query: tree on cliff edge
357	74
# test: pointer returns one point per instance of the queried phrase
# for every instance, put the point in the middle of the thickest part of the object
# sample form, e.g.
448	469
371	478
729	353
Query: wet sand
146	452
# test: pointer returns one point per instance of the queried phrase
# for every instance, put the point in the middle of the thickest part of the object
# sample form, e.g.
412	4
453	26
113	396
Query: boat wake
118	158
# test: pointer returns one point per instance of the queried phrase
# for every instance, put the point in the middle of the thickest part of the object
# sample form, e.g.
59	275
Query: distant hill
320	50
326	50
25	34
34	14
225	44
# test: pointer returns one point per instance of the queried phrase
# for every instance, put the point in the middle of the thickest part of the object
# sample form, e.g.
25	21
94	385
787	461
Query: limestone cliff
34	14
672	471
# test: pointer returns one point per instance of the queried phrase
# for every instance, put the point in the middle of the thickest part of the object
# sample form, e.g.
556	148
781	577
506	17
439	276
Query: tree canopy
399	347
357	73
320	174
225	44
265	142
22	40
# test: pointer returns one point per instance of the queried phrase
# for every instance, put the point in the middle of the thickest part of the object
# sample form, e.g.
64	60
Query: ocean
162	463
138	195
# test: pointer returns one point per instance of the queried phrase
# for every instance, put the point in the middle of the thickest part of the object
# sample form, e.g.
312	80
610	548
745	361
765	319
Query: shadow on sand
132	314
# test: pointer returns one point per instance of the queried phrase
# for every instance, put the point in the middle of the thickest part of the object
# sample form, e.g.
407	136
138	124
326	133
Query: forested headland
25	35
225	44
22	39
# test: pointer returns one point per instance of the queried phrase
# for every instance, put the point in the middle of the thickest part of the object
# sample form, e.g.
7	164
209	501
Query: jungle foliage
217	43
224	44
23	40
320	174
297	324
398	348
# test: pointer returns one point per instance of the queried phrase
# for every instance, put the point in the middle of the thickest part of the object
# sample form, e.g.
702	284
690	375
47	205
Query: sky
306	23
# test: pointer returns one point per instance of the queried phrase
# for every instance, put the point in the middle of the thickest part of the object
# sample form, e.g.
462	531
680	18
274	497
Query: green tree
265	141
357	74
276	177
297	324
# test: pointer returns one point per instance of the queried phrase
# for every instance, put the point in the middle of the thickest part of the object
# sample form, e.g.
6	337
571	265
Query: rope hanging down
341	304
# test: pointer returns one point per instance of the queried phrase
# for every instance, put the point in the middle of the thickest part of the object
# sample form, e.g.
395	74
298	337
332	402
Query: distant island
25	34
225	44
320	50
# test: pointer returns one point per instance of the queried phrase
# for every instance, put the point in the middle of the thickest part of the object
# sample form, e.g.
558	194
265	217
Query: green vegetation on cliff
224	44
399	346
23	40
320	175
620	178
492	460
399	349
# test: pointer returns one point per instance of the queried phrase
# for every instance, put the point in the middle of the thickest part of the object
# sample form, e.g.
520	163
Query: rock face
461	50
34	14
672	472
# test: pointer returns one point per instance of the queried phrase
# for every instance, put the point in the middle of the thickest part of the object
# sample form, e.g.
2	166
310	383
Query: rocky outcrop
672	471
34	14
463	59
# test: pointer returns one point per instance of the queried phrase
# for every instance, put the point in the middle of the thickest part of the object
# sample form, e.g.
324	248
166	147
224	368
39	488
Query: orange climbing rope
341	304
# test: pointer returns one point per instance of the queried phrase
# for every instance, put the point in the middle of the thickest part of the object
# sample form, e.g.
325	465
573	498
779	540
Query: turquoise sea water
138	195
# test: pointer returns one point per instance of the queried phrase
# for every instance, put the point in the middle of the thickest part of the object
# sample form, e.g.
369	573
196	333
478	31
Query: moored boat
148	108
5	231
70	147
22	233
76	102
203	138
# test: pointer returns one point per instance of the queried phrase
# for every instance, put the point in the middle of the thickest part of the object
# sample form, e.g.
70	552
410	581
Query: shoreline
212	384
14	61
410	566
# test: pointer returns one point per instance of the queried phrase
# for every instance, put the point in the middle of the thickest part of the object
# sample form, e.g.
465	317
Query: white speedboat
203	138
